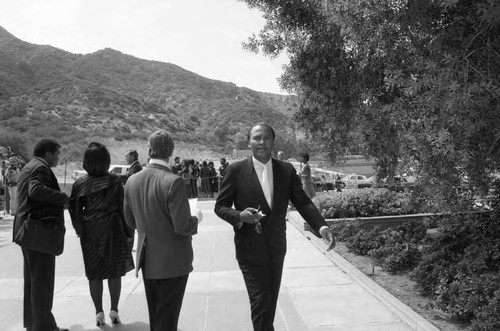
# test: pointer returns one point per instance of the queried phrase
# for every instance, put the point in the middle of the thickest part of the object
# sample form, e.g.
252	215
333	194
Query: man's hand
250	215
328	238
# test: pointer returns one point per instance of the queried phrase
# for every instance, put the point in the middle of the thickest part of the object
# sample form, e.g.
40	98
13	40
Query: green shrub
365	240
364	203
488	318
459	267
400	250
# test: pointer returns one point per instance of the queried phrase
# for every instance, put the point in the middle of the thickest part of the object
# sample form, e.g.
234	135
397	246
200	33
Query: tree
16	142
419	79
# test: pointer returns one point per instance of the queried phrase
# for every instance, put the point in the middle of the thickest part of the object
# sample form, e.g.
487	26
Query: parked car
398	183
402	184
323	182
355	181
117	169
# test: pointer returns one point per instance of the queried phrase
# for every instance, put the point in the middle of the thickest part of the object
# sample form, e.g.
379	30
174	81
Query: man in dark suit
40	196
132	158
260	188
156	203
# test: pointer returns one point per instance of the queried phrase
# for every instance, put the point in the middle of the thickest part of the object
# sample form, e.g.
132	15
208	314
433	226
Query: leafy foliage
419	80
365	203
460	266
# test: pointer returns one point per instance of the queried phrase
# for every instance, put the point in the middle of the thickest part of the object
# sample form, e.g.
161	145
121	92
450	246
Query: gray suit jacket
156	204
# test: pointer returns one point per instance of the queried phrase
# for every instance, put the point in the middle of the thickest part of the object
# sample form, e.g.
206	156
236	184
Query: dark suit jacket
241	187
134	168
39	195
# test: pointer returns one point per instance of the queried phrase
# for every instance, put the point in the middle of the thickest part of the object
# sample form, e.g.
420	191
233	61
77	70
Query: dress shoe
99	320
61	329
115	319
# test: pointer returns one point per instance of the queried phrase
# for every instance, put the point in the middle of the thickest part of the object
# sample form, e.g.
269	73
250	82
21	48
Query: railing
394	220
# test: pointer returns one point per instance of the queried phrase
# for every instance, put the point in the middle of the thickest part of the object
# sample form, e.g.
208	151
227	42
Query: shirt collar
160	162
257	163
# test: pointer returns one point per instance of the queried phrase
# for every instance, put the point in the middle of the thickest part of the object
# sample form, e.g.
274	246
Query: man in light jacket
156	203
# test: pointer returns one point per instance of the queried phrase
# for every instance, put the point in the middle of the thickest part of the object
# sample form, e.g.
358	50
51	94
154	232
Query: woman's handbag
43	235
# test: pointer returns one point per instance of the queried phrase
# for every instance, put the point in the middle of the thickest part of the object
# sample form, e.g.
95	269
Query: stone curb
405	313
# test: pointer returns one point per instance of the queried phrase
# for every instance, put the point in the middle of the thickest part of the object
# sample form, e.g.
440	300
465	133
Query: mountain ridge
49	92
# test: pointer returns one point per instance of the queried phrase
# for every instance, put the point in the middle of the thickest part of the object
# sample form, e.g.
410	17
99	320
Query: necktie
266	185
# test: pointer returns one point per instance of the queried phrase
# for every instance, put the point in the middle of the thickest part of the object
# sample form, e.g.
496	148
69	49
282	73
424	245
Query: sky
202	36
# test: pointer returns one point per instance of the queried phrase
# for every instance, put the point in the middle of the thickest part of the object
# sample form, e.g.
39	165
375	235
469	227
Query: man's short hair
45	146
96	159
133	152
261	124
161	145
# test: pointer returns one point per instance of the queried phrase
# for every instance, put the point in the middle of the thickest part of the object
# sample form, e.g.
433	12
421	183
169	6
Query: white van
118	169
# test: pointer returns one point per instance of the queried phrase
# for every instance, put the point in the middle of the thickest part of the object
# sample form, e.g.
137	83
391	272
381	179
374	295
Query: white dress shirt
267	182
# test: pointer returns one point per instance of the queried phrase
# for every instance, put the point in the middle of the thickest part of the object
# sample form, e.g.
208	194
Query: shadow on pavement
137	326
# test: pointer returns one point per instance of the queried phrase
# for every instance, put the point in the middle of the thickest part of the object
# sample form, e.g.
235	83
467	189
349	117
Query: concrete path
316	294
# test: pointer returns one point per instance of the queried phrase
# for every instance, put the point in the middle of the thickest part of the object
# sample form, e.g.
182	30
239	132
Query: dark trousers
194	187
164	297
263	286
39	273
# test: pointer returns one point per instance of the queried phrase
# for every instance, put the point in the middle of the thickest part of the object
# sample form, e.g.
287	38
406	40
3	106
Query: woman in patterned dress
96	209
305	174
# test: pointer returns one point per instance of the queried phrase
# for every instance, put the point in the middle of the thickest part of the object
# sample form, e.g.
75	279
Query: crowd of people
9	175
200	177
106	210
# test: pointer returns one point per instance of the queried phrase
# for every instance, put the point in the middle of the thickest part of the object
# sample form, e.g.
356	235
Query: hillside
120	99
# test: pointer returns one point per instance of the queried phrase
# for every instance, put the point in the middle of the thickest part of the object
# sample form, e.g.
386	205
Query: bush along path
457	265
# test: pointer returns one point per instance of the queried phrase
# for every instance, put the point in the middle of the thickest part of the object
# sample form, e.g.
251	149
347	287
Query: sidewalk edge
405	313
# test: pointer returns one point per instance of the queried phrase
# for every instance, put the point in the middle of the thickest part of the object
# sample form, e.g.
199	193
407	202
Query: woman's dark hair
305	156
45	146
211	163
204	163
96	159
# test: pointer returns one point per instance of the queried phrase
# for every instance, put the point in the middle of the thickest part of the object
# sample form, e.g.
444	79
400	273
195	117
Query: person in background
281	155
40	197
186	176
305	174
156	203
254	199
177	166
213	179
206	189
6	190
223	166
195	174
96	209
132	158
12	176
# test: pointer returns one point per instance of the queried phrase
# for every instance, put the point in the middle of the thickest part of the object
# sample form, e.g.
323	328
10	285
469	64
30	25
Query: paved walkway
316	294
